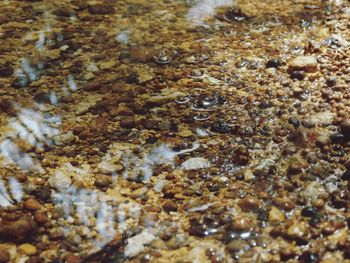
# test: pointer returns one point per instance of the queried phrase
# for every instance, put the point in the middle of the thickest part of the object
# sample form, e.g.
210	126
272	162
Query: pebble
241	223
101	9
303	63
128	123
64	12
249	203
27	249
32	204
276	215
6	70
139	192
41	218
195	163
169	206
102	180
273	63
298	230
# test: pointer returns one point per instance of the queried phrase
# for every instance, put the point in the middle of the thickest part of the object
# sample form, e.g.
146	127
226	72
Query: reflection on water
204	9
15	189
143	130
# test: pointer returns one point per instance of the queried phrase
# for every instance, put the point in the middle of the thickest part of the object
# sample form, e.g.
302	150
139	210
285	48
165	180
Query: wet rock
4	256
101	9
140	192
41	218
32	204
141	54
128	123
27	249
273	63
195	164
303	63
43	97
294	121
64	12
7	107
169	206
249	203
237	245
331	81
6	70
276	215
102	181
298	231
309	211
136	244
242	223
220	127
19	230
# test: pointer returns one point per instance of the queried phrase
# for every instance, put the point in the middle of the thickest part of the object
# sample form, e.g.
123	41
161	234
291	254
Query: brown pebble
241	223
169	206
249	203
32	204
41	218
127	123
101	9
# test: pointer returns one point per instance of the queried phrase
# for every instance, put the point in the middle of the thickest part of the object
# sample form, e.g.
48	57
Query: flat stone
303	63
195	164
27	249
136	244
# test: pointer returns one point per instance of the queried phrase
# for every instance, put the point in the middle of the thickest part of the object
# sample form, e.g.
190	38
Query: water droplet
182	99
201	117
163	56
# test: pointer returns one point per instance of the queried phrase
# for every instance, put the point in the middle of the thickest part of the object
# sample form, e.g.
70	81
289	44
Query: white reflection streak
5	199
71	83
205	8
41	41
16	189
31	72
11	151
16	192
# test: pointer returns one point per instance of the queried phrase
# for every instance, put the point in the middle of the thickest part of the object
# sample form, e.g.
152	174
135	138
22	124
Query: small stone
6	70
64	12
139	192
303	63
127	123
27	249
242	223
195	163
4	256
41	218
101	9
141	54
323	140
298	230
102	180
32	204
169	206
273	63
276	215
136	244
249	203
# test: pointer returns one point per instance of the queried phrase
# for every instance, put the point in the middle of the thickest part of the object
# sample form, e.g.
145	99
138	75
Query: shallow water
174	131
